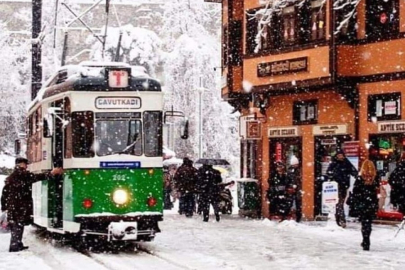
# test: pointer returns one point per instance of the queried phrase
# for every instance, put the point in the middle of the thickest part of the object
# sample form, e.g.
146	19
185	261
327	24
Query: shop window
384	107
305	112
346	27
318	20
289	24
382	18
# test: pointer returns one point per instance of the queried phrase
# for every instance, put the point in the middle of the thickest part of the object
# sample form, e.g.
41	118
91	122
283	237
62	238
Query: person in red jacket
16	199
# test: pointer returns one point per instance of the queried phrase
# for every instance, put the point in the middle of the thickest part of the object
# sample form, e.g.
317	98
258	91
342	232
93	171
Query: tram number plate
118	177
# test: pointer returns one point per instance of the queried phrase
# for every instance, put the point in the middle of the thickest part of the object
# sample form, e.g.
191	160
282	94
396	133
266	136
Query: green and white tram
103	124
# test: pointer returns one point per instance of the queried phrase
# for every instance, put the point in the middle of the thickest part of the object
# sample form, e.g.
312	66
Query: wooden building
309	76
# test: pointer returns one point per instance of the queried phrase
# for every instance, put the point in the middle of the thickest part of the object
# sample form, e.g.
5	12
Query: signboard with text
118	103
351	148
253	130
329	130
391	127
283	132
118	78
330	196
282	67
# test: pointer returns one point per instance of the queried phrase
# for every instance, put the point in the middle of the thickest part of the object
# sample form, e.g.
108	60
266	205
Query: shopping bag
3	222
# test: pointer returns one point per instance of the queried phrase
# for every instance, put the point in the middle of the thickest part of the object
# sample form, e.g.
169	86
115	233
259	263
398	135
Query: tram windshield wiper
129	147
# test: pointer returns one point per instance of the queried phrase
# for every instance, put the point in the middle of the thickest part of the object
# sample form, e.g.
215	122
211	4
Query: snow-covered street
233	243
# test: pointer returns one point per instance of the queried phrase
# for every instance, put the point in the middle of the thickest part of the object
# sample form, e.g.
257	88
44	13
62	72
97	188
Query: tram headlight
120	196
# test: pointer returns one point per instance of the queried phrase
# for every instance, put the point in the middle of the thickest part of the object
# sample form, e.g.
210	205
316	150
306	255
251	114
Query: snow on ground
233	243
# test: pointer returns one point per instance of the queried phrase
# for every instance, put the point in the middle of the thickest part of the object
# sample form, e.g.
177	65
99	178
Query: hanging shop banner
282	67
390	127
329	130
330	196
253	130
283	132
279	151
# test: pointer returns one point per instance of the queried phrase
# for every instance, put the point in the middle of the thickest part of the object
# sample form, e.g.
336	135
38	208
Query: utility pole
36	78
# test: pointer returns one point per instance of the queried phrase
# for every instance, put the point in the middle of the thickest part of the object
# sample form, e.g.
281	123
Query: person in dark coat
397	183
365	200
294	174
167	189
340	171
16	199
209	180
185	181
280	193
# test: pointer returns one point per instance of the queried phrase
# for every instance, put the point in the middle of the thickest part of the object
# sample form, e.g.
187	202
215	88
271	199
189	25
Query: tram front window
118	137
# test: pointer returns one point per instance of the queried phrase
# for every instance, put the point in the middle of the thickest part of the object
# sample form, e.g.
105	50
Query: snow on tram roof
87	68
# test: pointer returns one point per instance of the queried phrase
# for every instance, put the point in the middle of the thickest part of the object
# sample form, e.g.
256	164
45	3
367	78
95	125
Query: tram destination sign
118	103
282	67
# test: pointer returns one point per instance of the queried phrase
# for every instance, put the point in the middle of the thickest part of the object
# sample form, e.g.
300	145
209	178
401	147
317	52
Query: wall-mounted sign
351	148
391	127
118	78
329	130
213	1
283	132
118	103
282	67
253	130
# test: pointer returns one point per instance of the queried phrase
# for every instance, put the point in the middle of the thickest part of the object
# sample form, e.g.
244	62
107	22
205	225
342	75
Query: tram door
56	187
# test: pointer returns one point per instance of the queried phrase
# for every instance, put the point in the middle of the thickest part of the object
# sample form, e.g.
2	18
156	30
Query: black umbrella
212	161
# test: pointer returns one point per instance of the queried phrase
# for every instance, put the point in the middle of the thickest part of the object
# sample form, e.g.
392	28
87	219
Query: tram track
136	259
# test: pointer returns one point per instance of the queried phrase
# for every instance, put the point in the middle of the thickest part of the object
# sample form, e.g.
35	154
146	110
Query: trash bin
248	197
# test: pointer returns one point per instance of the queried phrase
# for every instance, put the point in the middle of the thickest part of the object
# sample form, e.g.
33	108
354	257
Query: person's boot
366	243
217	217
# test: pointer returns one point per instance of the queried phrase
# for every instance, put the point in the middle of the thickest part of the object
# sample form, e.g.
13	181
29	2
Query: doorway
325	150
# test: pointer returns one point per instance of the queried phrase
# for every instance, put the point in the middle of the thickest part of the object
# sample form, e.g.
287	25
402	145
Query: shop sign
283	132
390	127
328	142
329	130
279	151
351	148
213	1
282	67
330	196
253	130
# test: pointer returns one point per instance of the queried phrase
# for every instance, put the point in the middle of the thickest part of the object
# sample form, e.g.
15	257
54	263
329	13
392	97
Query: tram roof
92	76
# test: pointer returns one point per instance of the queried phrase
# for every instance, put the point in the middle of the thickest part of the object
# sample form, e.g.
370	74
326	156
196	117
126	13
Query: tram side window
152	122
83	134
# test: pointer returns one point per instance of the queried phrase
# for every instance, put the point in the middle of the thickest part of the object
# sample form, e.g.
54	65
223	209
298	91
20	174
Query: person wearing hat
16	199
340	170
279	194
294	173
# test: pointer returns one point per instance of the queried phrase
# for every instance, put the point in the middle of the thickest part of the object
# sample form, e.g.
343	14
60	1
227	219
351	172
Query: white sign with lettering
118	103
391	127
283	132
329	130
118	78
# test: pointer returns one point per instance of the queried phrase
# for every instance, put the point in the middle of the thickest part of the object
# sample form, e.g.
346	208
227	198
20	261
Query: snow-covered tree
190	34
139	46
14	86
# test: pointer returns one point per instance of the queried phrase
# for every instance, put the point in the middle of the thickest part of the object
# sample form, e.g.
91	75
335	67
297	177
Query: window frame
297	105
159	132
375	31
372	106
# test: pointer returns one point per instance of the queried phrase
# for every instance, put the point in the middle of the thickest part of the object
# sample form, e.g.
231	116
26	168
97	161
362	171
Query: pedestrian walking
16	199
397	183
365	200
340	171
294	174
280	192
209	180
167	189
185	181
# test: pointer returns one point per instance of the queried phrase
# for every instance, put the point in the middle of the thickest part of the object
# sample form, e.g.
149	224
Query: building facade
308	77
